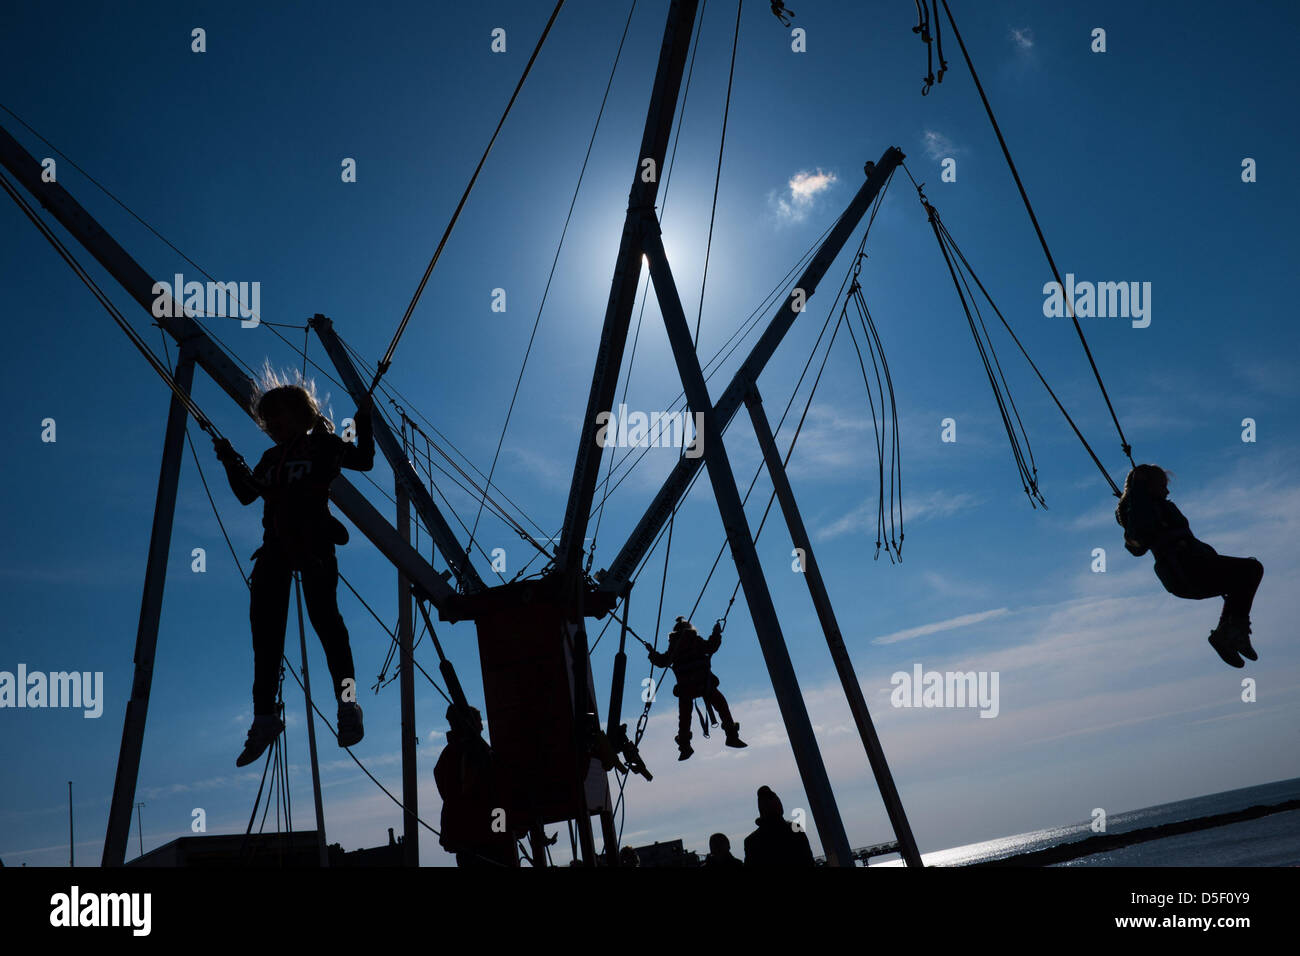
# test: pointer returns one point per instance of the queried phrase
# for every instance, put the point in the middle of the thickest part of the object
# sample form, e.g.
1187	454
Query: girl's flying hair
1143	479
296	395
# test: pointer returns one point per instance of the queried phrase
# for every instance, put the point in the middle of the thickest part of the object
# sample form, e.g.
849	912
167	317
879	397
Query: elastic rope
392	346
1041	238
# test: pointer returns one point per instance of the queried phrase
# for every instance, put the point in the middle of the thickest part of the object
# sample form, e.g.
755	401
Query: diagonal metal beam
627	276
208	355
831	628
617	578
807	755
410	482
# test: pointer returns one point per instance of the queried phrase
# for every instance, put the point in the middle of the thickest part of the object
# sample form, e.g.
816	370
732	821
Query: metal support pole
405	629
139	828
146	637
321	846
582	703
615	719
537	840
610	833
834	639
807	756
444	666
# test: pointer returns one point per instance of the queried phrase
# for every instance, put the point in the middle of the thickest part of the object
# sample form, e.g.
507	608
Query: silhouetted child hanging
1189	568
688	655
294	478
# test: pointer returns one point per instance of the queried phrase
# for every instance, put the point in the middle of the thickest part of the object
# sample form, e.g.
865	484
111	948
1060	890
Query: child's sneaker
266	727
1240	627
733	736
1224	643
350	729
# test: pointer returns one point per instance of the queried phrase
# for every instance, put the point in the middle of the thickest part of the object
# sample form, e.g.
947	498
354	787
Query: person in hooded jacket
777	842
473	823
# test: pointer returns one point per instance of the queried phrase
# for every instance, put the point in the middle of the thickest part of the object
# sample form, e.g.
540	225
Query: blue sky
1110	696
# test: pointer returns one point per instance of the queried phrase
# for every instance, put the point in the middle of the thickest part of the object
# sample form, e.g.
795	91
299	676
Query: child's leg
320	582
268	613
719	704
684	715
1240	577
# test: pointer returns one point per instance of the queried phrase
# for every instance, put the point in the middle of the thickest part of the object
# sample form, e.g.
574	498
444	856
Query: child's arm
1174	518
714	640
660	659
242	482
361	456
1143	526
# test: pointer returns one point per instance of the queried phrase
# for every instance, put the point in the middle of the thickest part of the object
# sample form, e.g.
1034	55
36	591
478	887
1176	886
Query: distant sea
1273	840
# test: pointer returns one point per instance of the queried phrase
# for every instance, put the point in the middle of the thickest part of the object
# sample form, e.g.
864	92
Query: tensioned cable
554	262
945	238
717	176
497	508
386	361
1041	238
154	363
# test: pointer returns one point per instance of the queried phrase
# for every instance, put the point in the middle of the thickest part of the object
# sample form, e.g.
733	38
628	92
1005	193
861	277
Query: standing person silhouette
294	477
777	842
720	853
1189	568
473	821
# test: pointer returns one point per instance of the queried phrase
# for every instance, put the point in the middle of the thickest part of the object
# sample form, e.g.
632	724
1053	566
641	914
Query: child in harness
688	655
294	477
1189	568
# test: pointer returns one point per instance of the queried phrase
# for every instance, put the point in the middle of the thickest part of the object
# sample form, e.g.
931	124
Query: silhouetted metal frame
228	376
812	575
617	579
407	478
609	358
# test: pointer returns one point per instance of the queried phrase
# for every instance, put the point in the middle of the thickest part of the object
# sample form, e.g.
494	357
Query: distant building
297	849
670	853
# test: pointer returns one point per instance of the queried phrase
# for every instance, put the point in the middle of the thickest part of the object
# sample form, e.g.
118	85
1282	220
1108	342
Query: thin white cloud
935	504
937	146
1023	37
800	195
951	624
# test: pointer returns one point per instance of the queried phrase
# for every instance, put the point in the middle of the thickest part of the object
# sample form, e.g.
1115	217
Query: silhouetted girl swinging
1189	568
294	478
